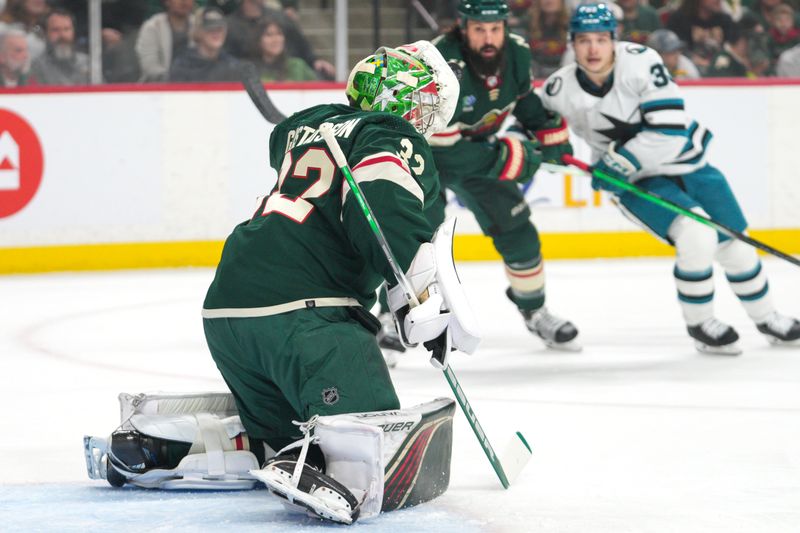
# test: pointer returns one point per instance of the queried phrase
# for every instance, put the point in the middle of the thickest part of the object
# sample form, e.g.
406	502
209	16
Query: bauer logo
21	163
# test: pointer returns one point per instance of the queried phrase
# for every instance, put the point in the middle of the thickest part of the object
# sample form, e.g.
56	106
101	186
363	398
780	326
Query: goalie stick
675	208
517	452
258	95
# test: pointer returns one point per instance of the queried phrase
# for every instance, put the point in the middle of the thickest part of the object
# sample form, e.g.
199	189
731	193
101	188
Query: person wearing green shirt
275	64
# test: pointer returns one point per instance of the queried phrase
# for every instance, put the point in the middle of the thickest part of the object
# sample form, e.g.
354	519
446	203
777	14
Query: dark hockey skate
389	340
131	453
780	329
318	494
555	332
715	337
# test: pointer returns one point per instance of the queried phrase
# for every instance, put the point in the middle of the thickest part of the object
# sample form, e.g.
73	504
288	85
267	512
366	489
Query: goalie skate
318	494
780	329
555	332
714	337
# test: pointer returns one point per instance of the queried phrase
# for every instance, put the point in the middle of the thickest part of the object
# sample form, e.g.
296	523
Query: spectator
670	48
703	26
733	60
206	60
275	64
29	16
121	22
757	44
244	33
549	24
518	20
783	34
163	37
639	20
61	64
789	63
14	58
763	10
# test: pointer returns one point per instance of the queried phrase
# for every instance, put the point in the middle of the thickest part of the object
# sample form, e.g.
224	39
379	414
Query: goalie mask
412	81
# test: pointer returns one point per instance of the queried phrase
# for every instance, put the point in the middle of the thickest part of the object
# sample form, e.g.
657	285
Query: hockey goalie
344	466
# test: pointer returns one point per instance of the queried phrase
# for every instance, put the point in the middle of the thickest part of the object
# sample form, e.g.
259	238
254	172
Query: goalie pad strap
210	431
389	459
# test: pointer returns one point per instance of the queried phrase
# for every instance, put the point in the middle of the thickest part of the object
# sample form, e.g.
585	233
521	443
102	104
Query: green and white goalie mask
411	81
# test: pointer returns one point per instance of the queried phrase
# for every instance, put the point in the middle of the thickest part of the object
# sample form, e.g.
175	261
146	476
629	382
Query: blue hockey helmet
592	18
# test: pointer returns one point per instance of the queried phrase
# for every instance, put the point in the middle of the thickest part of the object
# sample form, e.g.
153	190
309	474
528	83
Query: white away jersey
642	110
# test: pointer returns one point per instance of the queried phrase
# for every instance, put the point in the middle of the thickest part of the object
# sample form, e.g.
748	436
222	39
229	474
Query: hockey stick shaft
326	131
258	95
675	208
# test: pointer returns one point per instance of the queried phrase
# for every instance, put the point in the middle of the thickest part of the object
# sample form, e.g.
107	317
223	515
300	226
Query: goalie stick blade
515	456
258	95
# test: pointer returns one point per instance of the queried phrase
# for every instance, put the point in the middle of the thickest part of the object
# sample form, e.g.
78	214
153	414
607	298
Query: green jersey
309	243
485	101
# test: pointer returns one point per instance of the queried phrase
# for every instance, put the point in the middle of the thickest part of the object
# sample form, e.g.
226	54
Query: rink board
151	176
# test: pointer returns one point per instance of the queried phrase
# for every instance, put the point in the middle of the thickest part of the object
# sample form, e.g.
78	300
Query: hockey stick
258	95
518	452
675	208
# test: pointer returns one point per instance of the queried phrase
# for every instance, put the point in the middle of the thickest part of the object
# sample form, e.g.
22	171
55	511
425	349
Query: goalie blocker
444	318
346	466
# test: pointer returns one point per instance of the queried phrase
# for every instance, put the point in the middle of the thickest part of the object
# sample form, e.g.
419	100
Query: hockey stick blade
258	95
516	455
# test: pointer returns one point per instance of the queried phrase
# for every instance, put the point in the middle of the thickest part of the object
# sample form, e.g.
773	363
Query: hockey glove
519	160
616	165
443	320
553	138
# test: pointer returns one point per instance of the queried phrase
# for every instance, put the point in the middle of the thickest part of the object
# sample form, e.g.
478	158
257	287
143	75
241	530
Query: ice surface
638	433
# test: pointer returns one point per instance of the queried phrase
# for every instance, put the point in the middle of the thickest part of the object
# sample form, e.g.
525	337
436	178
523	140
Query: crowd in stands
696	38
45	41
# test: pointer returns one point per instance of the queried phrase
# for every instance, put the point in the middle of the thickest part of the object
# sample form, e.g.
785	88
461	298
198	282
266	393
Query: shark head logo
21	163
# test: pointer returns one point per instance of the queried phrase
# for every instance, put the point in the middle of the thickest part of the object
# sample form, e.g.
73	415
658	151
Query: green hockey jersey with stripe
309	241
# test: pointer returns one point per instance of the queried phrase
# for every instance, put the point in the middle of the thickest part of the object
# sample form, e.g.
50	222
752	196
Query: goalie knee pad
385	460
174	441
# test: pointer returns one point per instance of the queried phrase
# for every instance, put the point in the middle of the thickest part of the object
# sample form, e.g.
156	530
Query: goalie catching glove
443	320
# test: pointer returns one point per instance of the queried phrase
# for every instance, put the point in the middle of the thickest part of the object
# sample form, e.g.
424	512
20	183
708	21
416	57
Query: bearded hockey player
286	317
620	98
486	172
